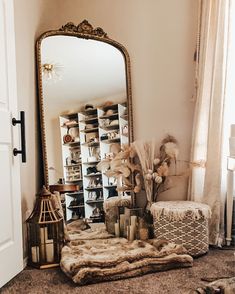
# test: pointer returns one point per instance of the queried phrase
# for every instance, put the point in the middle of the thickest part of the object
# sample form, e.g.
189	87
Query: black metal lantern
45	232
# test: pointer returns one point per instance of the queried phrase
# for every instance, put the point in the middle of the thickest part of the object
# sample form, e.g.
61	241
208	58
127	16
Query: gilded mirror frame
83	30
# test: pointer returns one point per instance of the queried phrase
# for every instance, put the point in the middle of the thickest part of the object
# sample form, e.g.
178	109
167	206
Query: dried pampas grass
125	171
137	188
155	167
168	139
133	167
198	163
115	148
146	153
103	165
169	149
121	166
163	170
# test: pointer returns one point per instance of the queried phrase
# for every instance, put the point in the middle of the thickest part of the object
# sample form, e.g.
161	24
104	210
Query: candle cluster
130	224
46	248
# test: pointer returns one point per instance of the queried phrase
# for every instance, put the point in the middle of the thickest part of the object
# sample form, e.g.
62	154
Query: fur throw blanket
226	286
80	230
112	259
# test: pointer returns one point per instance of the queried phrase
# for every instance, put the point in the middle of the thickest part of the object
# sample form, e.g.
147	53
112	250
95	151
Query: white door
11	259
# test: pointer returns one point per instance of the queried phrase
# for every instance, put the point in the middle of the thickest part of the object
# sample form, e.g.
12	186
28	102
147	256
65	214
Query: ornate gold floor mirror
84	86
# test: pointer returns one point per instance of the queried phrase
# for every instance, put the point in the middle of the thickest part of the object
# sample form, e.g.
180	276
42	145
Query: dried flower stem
146	152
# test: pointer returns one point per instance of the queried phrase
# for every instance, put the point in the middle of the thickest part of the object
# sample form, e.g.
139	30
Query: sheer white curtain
206	184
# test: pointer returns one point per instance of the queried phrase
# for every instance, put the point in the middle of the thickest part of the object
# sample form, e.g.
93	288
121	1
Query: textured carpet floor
217	263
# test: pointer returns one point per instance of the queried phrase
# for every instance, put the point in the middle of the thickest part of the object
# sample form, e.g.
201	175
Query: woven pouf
111	210
182	222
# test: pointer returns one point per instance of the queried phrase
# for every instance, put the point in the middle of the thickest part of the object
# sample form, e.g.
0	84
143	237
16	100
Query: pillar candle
122	220
131	232
126	227
43	234
133	220
43	252
35	253
117	229
43	239
127	232
49	251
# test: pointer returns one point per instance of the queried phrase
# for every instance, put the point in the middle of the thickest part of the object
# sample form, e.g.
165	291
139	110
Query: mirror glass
85	114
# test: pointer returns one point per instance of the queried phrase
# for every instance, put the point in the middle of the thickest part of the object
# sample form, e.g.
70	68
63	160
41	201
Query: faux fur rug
112	259
223	286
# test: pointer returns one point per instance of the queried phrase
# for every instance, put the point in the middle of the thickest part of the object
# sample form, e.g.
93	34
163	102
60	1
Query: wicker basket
183	222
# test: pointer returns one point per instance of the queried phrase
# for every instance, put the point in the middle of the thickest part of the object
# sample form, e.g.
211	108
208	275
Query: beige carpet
217	263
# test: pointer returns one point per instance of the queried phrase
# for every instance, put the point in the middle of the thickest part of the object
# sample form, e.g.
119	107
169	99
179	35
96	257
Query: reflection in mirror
85	107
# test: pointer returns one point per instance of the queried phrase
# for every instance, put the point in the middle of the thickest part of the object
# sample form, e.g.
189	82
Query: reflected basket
45	229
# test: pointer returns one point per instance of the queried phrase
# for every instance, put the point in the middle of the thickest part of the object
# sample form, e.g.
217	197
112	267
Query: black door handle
22	131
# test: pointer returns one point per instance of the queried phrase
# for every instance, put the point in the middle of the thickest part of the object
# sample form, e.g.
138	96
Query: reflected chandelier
52	72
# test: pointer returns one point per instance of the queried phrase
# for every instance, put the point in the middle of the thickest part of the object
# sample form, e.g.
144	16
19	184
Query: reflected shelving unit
72	165
93	131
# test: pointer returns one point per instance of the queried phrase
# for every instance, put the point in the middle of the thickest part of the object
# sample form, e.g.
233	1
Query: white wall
160	38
